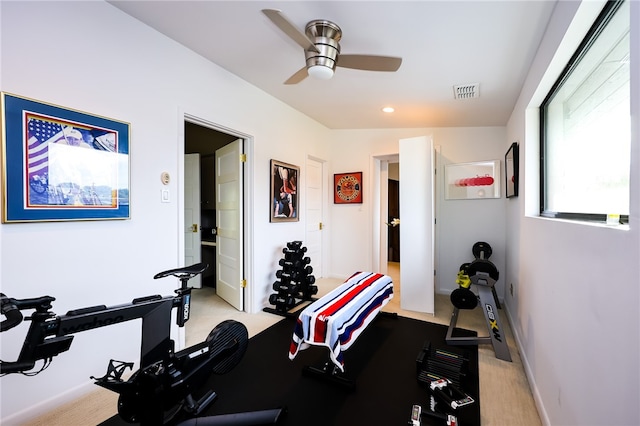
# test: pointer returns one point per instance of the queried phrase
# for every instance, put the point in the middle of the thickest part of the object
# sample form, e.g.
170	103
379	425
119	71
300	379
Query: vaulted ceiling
442	44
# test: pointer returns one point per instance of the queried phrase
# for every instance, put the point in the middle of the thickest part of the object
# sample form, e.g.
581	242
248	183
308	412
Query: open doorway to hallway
205	141
393	230
417	204
393	203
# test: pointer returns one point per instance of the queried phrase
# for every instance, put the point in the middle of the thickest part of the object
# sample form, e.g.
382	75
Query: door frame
195	282
247	198
379	164
324	246
380	194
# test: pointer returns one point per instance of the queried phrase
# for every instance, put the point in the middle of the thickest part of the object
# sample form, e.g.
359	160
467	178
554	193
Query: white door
229	214
417	224
192	237
313	236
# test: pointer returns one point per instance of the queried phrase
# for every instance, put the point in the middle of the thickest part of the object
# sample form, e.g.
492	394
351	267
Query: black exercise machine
162	391
483	274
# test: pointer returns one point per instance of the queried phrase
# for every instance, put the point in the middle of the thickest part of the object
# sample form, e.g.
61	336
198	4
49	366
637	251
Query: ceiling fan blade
296	78
369	62
289	29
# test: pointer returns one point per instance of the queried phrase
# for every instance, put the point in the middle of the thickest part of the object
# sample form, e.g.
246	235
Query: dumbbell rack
442	372
295	283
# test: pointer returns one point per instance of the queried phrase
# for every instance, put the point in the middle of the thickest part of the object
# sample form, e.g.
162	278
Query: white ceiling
442	43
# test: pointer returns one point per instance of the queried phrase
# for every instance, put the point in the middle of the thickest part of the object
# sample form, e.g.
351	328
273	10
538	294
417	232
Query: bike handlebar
11	312
11	308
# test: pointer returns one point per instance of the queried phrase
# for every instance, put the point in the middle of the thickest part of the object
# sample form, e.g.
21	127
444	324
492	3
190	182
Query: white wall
92	57
576	287
575	303
460	223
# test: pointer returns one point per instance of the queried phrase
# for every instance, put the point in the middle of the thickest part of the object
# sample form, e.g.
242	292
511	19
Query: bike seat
192	270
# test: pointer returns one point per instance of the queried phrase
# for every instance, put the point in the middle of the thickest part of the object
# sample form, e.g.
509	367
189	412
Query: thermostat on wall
165	178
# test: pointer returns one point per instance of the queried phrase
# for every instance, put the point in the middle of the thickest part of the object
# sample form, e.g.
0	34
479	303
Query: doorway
393	202
416	158
208	141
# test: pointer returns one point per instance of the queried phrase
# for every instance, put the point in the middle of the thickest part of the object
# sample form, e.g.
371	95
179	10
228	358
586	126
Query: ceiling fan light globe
320	72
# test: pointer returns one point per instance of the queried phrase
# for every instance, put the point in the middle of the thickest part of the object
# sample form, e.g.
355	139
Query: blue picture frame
60	164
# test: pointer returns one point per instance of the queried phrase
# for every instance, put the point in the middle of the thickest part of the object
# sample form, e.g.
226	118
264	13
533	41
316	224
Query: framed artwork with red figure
347	188
284	192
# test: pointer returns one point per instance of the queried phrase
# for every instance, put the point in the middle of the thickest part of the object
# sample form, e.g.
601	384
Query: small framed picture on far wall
347	188
511	170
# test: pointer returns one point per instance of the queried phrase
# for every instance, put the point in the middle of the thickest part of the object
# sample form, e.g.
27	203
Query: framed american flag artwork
60	164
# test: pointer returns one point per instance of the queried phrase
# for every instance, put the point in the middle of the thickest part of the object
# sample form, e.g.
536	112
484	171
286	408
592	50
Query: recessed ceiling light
388	109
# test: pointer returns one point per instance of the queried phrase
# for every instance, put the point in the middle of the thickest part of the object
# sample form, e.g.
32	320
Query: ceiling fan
320	42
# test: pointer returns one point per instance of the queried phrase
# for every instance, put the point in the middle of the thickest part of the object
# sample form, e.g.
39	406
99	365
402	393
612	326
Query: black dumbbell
276	299
291	264
294	245
289	288
291	255
290	275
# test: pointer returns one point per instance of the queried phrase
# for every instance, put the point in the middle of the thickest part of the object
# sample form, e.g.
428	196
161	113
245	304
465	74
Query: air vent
466	91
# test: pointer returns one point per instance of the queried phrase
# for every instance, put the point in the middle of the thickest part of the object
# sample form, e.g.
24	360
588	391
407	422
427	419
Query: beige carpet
505	396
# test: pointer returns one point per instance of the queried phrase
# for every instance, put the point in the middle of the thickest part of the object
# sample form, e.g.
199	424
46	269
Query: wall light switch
165	196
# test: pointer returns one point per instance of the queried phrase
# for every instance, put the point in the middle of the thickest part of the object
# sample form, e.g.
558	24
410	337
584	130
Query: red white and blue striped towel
337	319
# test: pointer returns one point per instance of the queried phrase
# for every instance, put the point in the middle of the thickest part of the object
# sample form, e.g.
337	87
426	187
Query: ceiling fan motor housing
325	36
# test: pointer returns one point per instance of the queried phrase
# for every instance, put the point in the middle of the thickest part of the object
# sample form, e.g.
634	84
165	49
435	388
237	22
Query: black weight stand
484	275
295	284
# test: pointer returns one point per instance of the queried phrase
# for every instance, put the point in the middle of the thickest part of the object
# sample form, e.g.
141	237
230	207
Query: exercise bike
162	391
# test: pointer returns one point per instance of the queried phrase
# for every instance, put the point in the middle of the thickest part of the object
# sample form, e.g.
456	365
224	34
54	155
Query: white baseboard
44	407
544	418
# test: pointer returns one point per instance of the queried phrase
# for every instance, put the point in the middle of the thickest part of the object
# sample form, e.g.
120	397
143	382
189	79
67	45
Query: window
586	126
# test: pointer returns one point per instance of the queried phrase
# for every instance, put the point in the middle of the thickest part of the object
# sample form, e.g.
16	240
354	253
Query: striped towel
337	319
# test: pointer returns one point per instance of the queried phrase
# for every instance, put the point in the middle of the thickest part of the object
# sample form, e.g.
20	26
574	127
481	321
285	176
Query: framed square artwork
347	188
